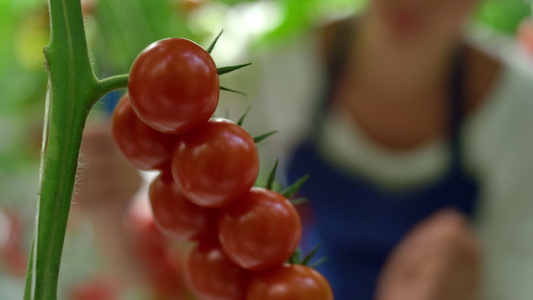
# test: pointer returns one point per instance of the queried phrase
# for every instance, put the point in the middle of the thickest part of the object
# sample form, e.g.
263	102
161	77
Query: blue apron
360	222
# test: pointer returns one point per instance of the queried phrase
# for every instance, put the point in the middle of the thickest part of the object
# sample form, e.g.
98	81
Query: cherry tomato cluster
205	191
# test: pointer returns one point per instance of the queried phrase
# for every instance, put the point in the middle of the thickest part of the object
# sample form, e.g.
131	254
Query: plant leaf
212	46
311	254
293	189
233	91
261	137
241	120
225	70
272	176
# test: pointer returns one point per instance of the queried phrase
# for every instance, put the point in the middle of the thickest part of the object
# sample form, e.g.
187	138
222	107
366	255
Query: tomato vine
73	89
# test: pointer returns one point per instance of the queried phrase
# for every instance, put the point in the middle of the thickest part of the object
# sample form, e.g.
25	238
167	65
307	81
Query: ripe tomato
289	282
143	146
176	215
212	276
259	231
174	85
215	164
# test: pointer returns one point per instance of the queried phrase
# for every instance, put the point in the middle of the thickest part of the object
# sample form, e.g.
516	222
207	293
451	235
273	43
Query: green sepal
272	176
296	256
318	262
293	189
212	46
298	201
225	70
311	254
261	137
233	91
241	119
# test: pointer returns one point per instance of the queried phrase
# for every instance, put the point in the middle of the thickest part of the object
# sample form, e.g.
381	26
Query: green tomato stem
73	90
112	83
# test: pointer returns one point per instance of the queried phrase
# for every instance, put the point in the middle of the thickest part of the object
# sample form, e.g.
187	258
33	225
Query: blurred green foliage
504	15
298	15
23	33
122	29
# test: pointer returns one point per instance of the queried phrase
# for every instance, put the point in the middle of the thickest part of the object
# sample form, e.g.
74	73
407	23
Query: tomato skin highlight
174	85
212	276
177	216
216	164
289	282
140	144
259	231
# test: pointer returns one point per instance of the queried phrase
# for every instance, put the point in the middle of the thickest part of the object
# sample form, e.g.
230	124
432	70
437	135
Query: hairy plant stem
73	89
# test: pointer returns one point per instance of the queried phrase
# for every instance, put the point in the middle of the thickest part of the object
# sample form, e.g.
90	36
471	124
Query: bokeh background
117	31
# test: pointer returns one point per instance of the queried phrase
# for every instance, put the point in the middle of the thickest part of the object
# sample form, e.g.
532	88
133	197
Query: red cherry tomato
261	230
216	164
289	282
174	85
212	276
143	146
176	215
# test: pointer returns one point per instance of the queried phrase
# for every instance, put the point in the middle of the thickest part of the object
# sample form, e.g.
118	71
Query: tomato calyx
297	259
259	138
228	69
272	176
295	187
288	192
262	137
291	191
232	91
213	44
244	115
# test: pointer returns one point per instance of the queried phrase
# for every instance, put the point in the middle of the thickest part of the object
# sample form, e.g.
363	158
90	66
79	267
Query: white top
497	143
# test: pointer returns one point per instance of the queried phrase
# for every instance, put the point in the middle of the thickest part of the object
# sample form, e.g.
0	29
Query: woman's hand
439	259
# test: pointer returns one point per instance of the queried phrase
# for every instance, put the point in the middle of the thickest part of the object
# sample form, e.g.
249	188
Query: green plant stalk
73	90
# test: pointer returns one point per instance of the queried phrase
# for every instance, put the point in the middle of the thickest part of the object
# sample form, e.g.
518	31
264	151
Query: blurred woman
420	149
